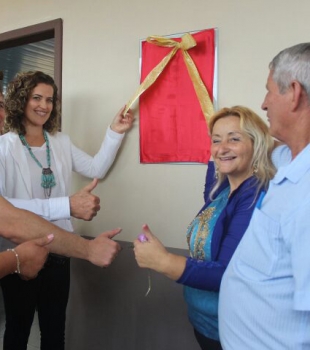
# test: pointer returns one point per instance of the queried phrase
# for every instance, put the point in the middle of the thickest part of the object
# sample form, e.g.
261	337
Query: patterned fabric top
200	231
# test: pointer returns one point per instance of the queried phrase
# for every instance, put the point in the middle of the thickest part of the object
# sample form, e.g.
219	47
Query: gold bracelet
17	260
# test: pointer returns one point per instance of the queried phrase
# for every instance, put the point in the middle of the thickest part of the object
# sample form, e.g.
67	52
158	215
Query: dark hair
17	96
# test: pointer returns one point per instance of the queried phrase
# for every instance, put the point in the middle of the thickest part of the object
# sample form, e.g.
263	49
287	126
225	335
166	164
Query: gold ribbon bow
186	43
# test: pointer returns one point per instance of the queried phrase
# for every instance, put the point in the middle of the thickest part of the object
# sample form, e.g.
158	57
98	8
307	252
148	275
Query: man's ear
297	94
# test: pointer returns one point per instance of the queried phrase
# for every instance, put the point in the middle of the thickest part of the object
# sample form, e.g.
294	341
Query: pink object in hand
142	238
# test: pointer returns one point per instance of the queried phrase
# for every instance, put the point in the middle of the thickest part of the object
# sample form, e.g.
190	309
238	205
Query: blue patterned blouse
203	304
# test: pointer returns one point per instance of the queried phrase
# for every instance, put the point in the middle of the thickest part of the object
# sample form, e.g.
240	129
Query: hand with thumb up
83	204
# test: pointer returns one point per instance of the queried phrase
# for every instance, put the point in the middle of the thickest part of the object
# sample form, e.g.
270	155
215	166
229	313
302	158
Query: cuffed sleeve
50	209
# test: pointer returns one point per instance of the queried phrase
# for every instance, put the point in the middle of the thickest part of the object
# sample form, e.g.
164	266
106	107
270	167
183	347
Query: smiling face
39	106
232	150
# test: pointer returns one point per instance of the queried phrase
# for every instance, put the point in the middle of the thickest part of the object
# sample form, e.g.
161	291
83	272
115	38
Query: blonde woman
241	148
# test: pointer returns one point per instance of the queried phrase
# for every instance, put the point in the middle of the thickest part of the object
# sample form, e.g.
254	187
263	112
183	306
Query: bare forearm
7	263
172	266
65	243
20	225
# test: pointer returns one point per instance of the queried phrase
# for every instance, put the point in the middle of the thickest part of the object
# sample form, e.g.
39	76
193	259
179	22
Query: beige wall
100	73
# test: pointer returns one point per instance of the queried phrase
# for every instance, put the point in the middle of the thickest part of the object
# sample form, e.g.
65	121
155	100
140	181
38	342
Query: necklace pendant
47	181
47	177
47	171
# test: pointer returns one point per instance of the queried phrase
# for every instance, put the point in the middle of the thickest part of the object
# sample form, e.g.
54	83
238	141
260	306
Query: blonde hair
254	127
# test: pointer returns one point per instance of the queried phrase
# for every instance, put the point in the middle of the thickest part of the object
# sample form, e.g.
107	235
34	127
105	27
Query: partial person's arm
51	209
27	259
99	165
152	254
207	275
8	263
81	205
20	225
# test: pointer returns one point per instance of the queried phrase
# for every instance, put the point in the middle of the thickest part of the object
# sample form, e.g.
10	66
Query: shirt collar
296	169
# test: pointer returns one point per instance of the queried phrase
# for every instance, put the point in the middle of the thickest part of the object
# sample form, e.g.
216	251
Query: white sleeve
51	209
100	164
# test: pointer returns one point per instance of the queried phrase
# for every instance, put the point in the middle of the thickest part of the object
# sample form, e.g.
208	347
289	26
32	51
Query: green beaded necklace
47	177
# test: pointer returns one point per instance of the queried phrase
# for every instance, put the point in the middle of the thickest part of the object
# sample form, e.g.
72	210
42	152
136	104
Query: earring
255	168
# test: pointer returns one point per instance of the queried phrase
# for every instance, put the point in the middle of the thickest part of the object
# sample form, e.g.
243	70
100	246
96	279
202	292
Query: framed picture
173	122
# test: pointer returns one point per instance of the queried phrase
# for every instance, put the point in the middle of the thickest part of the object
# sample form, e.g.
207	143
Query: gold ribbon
187	42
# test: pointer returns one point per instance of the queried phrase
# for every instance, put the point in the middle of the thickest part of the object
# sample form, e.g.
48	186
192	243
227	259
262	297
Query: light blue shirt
265	292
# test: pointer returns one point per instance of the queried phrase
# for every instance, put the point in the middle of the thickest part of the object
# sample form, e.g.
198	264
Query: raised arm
99	165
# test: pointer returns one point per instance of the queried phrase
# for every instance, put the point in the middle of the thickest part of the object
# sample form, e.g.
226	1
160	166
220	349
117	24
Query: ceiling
34	56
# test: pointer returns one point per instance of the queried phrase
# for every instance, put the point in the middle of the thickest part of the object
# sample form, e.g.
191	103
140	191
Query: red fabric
172	125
